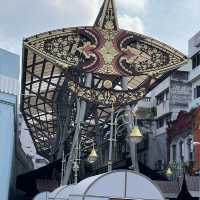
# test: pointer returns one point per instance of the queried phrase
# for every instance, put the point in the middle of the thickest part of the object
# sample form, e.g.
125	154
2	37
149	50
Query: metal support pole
72	153
111	140
81	108
76	166
132	147
62	169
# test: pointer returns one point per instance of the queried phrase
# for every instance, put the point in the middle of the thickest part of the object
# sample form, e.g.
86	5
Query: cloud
131	23
83	10
132	6
22	18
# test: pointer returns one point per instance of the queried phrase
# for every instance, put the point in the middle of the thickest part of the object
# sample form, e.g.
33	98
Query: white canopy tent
61	193
42	196
115	185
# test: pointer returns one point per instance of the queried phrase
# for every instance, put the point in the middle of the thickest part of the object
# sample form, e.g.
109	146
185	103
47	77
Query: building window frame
190	149
174	151
196	60
160	122
181	150
197	92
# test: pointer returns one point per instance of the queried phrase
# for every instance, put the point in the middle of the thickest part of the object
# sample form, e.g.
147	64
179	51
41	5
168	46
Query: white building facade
194	54
13	160
167	99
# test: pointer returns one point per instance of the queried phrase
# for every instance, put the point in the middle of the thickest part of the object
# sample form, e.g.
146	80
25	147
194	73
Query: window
162	97
180	75
197	92
196	60
159	164
168	118
167	94
160	122
181	150
174	153
190	149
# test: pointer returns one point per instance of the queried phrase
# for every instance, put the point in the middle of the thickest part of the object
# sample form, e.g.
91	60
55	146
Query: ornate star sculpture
109	52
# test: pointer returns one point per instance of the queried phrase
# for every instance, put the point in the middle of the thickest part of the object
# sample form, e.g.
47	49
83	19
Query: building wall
194	44
12	159
185	150
195	101
7	131
180	97
194	50
177	92
22	162
9	64
9	82
9	85
185	130
196	131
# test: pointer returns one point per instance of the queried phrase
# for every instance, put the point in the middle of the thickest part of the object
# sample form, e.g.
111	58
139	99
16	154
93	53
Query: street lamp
134	137
93	156
75	169
169	172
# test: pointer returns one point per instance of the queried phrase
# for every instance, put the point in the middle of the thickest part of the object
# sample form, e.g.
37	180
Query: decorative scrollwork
109	52
106	97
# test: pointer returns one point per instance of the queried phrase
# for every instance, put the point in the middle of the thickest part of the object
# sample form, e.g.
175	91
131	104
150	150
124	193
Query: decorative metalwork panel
104	97
108	52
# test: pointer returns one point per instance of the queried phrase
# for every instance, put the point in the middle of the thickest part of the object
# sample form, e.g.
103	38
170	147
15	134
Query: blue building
9	88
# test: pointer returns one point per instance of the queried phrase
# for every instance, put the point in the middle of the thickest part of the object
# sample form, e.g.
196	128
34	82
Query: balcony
146	102
163	108
161	130
194	74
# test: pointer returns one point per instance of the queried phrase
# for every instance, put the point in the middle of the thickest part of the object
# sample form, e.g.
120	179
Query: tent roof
119	184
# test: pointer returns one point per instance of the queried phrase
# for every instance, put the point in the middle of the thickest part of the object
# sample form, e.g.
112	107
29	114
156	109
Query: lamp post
134	136
93	156
76	163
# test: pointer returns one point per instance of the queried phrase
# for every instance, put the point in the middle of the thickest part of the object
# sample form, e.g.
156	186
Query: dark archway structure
73	75
184	193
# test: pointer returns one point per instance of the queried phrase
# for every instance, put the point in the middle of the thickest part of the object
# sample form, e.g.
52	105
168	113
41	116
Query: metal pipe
81	108
76	166
71	156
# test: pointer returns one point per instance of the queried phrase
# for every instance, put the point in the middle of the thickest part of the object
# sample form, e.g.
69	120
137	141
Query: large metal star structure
124	66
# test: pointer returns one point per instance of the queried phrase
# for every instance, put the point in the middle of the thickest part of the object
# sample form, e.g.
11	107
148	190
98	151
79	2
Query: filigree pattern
108	97
109	52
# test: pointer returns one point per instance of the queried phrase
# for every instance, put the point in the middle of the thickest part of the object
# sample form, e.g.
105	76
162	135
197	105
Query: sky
171	21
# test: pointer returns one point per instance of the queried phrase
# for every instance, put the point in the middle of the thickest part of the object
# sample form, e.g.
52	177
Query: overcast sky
171	21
